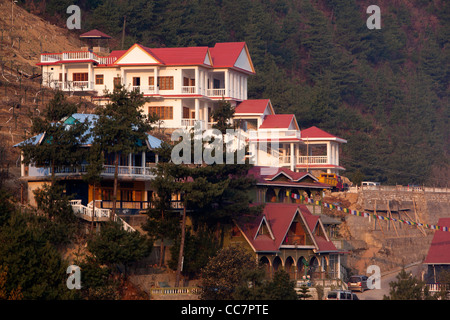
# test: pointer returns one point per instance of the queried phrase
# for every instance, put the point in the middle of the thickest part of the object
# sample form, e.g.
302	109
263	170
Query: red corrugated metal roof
439	252
225	54
179	56
277	121
314	133
252	106
95	34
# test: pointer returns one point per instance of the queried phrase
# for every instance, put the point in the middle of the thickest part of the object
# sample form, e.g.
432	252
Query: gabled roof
232	55
314	133
182	56
269	175
279	218
254	107
439	252
95	34
279	121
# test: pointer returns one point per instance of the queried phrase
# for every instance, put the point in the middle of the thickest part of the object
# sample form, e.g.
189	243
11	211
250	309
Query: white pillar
22	165
90	77
337	154
155	81
196	90
227	83
63	76
292	157
197	109
329	152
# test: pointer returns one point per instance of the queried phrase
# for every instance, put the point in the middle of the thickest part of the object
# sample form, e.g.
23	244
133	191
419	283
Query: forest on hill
384	90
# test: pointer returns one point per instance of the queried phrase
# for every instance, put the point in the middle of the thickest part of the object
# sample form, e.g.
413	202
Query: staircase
100	215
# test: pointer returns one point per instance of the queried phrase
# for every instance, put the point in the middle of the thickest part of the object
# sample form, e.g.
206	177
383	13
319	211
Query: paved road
377	294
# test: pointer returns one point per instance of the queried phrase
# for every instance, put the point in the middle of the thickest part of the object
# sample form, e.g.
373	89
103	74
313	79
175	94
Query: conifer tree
121	128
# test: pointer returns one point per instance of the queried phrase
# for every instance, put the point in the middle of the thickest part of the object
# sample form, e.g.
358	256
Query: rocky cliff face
388	244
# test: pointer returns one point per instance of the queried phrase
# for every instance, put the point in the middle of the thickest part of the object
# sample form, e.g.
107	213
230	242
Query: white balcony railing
285	159
190	123
108	171
76	55
312	160
216	92
79	55
144	89
188	89
274	134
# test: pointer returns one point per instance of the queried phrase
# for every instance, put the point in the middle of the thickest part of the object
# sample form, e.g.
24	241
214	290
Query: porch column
155	80
63	77
143	162
197	109
122	76
90	77
197	78
328	152
130	163
227	83
339	267
336	159
292	157
22	165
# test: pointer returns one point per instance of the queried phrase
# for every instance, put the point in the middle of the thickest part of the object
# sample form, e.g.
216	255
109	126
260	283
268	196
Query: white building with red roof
184	86
277	140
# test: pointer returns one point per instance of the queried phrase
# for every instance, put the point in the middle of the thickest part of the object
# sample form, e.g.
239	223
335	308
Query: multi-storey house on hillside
184	86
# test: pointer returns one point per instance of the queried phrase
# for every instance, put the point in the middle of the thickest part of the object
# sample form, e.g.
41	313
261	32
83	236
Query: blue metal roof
92	118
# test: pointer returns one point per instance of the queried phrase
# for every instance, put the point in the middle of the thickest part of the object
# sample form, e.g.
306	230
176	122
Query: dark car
358	283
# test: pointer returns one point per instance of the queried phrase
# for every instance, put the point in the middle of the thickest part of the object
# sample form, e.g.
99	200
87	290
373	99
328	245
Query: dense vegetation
386	90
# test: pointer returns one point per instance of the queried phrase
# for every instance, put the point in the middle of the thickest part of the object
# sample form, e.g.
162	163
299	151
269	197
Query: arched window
289	267
271	196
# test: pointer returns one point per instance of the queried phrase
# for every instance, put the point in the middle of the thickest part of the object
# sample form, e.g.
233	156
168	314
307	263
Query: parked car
341	295
358	283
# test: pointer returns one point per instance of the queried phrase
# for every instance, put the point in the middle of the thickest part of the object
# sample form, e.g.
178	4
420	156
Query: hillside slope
21	95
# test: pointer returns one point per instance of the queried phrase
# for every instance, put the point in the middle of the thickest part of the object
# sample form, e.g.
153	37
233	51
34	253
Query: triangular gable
208	60
277	177
264	229
244	61
136	55
299	225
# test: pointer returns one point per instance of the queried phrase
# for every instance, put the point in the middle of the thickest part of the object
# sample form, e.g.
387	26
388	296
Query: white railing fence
81	210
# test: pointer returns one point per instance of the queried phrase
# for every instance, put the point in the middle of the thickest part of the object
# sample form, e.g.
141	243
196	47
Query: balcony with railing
76	55
190	123
215	92
150	89
72	85
312	160
108	171
274	135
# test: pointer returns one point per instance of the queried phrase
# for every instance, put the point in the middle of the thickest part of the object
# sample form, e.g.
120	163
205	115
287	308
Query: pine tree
61	144
121	128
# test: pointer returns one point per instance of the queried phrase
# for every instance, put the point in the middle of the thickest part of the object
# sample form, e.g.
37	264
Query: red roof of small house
277	121
317	133
278	218
253	106
439	252
95	34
